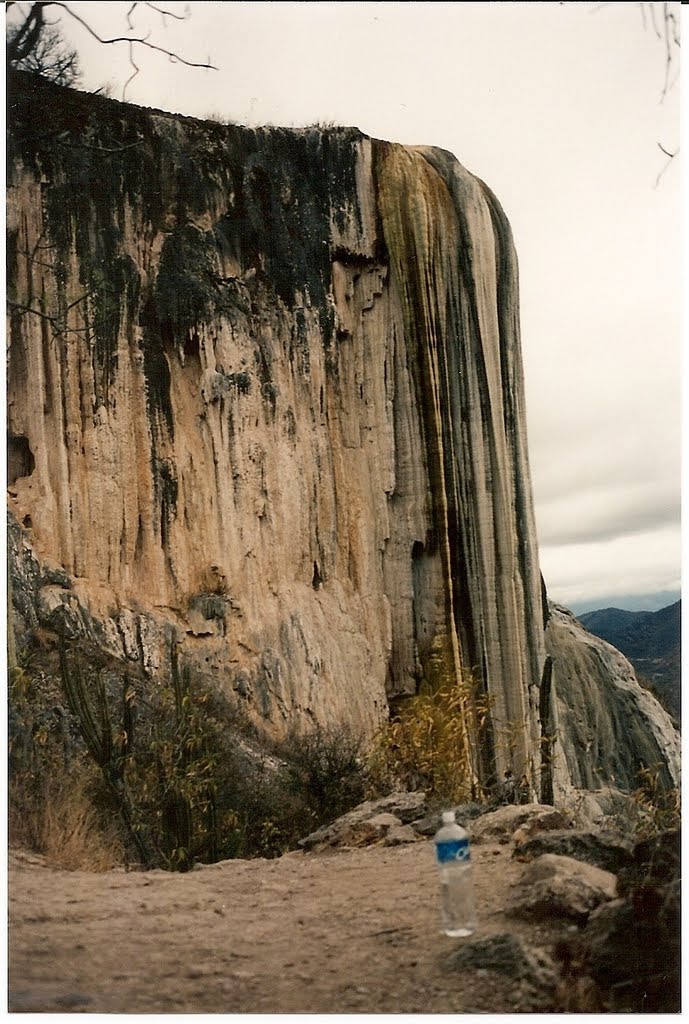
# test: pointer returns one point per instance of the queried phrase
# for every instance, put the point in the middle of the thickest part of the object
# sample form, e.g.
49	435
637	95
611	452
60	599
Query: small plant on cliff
658	805
433	741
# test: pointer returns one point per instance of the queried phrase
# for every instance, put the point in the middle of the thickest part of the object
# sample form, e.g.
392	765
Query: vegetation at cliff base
106	768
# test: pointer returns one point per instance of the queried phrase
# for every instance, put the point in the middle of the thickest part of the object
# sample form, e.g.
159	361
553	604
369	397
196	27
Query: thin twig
165	13
50	318
134	73
671	157
140	40
667	151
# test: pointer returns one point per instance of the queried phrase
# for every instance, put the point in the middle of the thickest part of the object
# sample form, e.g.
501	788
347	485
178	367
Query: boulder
398	835
405	806
507	955
499	826
627	958
655	860
464	813
610	851
607	808
556	886
368	822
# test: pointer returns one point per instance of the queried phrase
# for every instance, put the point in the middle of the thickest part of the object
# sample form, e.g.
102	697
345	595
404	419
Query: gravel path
353	931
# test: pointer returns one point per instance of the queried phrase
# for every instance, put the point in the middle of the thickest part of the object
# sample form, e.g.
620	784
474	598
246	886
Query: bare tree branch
134	73
670	156
55	321
139	40
165	13
667	151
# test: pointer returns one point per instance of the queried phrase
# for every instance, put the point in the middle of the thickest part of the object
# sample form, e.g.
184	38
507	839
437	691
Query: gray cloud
610	512
640	563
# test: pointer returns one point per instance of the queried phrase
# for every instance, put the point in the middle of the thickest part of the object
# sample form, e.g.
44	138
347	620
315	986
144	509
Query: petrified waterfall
266	403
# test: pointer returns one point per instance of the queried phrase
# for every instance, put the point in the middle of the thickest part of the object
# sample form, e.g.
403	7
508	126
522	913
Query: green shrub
326	769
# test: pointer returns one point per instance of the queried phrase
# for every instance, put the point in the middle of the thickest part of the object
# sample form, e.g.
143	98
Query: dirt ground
353	931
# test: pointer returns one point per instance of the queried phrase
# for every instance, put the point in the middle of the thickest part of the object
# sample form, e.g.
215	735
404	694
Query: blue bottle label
452	850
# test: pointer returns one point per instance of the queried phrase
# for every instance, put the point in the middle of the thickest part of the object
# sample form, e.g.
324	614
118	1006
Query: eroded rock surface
266	407
501	824
507	954
610	851
266	402
609	726
628	957
385	819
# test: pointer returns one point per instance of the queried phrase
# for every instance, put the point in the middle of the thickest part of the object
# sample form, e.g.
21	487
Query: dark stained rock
499	826
627	959
507	955
610	851
273	298
656	859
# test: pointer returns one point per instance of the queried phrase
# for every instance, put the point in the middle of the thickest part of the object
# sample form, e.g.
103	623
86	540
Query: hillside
651	641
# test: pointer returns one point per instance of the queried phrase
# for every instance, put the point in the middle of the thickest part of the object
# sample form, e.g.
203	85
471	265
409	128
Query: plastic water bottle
456	889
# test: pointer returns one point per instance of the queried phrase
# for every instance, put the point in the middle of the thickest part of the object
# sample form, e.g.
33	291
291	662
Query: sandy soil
353	931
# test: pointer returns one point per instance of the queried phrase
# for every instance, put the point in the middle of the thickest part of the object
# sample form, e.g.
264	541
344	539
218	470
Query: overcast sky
558	108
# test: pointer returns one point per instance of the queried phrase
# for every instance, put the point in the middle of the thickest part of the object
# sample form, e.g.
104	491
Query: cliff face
609	726
265	402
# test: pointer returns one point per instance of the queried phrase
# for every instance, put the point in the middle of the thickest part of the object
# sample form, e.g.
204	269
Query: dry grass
60	822
433	743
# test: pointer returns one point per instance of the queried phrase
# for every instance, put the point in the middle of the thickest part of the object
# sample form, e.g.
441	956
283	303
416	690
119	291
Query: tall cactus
89	705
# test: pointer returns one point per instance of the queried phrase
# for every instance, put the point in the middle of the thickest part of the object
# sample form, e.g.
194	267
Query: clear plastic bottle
456	888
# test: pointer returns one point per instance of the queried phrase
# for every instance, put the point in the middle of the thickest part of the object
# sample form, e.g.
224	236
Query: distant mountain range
651	641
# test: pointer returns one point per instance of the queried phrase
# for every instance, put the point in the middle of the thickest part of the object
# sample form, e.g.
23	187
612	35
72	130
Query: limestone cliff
609	726
266	402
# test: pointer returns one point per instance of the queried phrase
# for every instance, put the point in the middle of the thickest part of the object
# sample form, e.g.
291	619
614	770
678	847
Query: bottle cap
449	818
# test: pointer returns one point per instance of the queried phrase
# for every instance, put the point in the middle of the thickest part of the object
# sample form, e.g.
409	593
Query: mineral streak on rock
455	269
265	399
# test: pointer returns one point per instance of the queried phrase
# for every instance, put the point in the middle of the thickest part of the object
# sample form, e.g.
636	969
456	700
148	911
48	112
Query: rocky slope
266	405
606	741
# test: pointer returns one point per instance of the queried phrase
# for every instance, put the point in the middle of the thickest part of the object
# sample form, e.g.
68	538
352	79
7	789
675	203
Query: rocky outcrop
265	401
606	849
609	726
508	955
628	958
266	407
500	826
558	886
387	819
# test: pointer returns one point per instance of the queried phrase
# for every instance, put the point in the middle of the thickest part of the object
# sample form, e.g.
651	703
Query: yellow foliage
659	808
433	742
